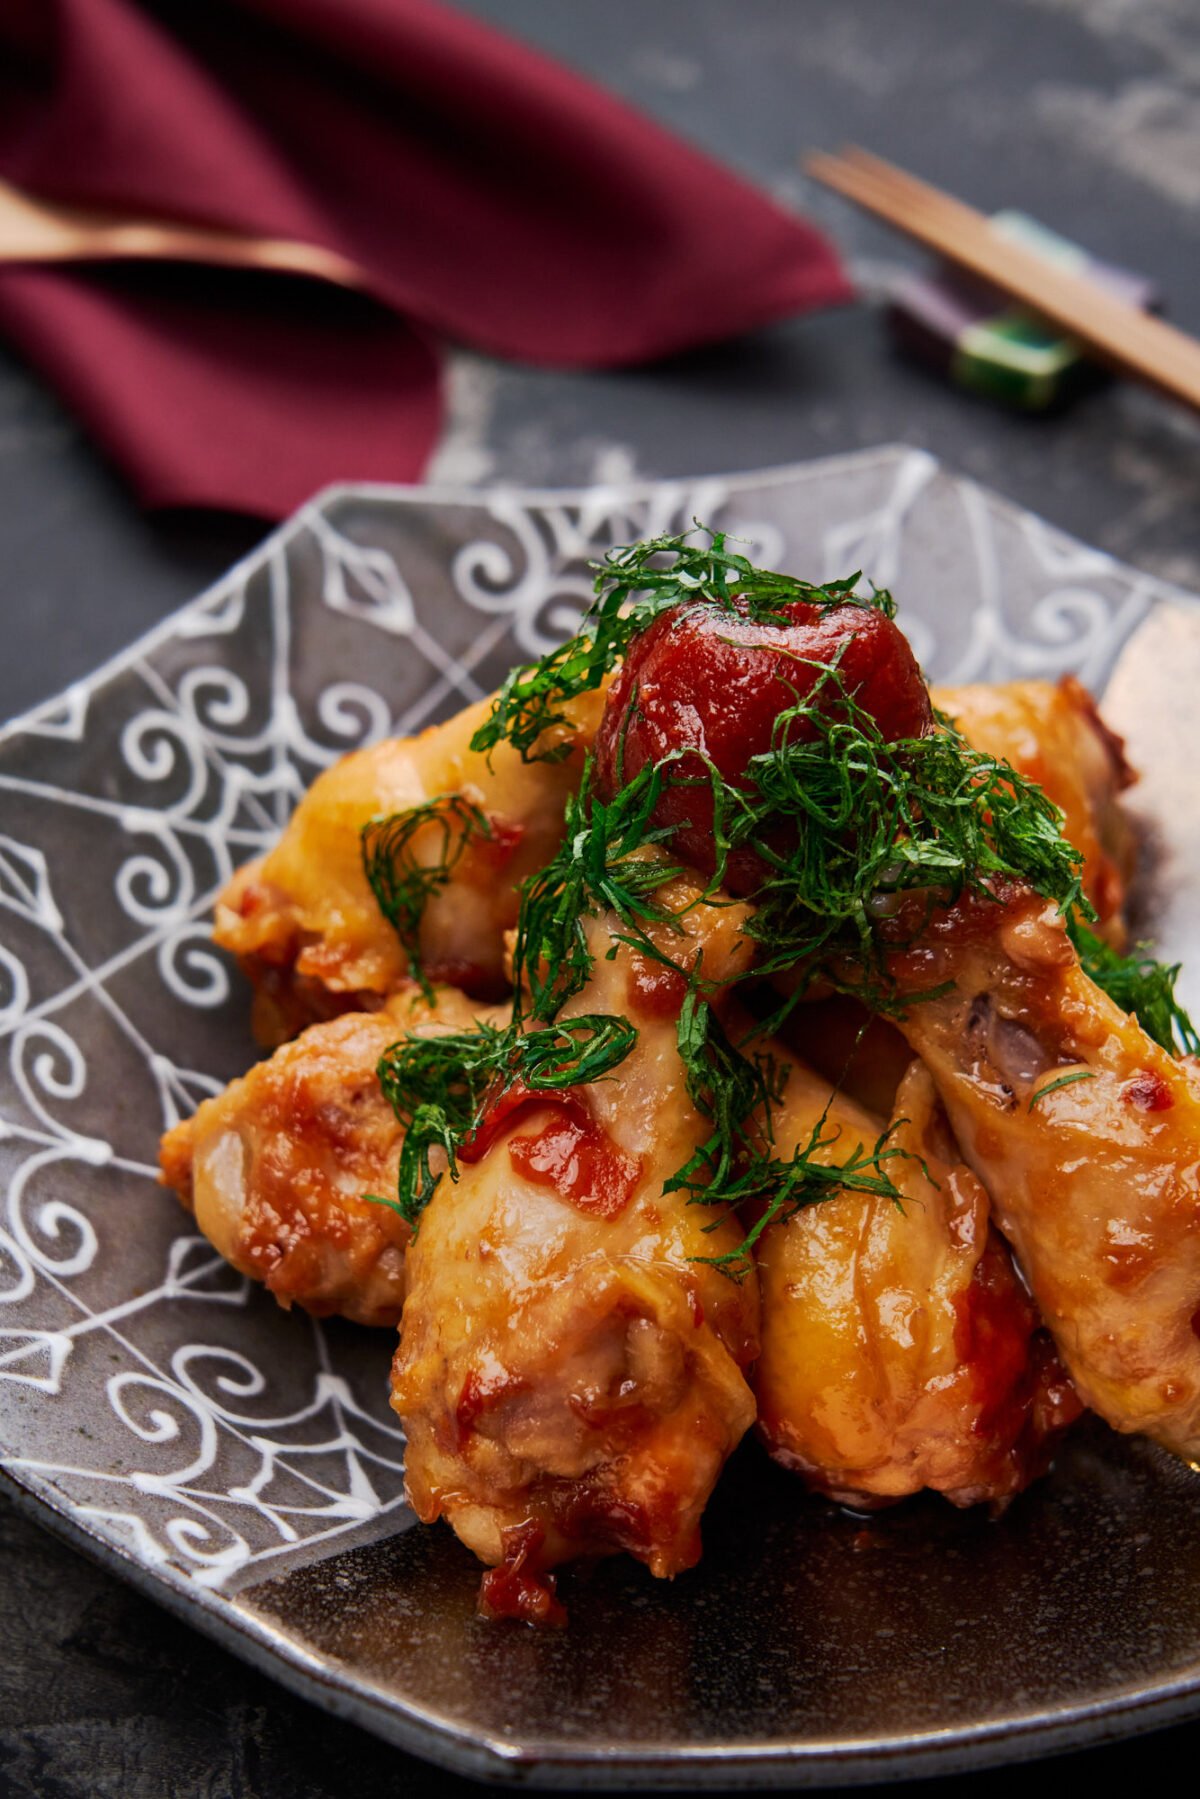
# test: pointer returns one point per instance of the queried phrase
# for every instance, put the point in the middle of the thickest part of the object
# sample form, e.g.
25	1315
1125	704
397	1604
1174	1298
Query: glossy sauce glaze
1095	1181
898	1346
564	1358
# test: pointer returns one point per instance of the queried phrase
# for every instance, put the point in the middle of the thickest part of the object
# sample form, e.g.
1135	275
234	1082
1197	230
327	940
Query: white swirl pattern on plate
143	1385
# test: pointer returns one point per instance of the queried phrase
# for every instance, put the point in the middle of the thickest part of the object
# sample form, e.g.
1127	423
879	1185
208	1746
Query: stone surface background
1085	112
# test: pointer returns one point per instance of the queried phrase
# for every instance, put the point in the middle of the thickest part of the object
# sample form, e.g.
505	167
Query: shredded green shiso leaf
736	1167
404	882
1064	1080
441	1088
1139	985
634	583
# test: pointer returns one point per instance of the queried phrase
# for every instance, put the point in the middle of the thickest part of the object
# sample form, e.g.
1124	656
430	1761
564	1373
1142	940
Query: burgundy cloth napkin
494	197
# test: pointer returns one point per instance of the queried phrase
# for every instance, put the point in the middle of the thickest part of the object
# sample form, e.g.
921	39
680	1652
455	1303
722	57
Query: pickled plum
707	685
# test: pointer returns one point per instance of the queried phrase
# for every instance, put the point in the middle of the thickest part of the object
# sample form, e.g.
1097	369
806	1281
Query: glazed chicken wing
303	919
570	1377
1087	1136
275	1169
899	1350
1052	733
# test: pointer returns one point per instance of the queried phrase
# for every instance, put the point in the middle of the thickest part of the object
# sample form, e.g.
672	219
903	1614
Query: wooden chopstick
1120	335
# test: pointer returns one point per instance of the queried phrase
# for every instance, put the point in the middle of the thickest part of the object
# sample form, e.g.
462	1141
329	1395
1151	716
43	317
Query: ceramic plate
241	1464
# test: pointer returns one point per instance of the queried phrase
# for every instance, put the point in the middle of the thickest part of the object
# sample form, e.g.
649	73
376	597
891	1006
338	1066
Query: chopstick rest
968	331
1116	333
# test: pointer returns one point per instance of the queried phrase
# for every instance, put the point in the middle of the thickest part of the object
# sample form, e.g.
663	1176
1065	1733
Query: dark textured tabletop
1083	112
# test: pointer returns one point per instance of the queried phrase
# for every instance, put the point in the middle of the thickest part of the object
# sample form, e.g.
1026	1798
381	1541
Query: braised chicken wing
303	919
570	1376
899	1350
277	1167
1052	733
1087	1136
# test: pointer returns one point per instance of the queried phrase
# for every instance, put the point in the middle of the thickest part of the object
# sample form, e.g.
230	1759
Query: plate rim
448	1743
449	493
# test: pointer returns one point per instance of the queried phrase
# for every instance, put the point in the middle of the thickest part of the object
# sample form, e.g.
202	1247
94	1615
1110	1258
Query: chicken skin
899	1350
570	1377
1087	1136
276	1168
303	919
1052	733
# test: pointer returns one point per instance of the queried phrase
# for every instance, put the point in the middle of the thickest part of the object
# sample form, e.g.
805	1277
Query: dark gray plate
242	1465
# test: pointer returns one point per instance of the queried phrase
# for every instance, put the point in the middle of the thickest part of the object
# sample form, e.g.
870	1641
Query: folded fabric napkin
492	197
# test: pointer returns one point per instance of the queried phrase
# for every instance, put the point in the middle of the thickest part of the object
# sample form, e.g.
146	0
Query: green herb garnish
1064	1080
441	1088
607	861
856	834
845	821
848	823
633	585
789	1186
1139	985
737	1165
403	882
735	1092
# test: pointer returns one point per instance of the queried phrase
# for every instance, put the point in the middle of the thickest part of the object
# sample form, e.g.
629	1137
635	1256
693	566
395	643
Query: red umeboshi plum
707	684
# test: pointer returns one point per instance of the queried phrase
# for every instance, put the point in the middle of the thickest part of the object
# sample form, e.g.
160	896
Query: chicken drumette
303	919
571	1371
276	1168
